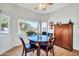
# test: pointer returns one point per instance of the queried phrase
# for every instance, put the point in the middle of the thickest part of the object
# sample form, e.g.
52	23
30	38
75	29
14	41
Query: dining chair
27	47
48	46
44	33
50	34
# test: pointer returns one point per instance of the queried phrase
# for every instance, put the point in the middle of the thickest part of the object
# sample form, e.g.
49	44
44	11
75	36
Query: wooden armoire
64	35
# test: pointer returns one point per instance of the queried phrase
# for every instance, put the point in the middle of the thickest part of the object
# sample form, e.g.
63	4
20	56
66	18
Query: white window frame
5	14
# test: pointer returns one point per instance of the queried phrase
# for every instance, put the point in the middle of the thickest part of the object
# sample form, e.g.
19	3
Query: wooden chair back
23	43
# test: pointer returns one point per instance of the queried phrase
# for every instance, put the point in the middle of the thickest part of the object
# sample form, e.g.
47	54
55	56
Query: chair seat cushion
29	46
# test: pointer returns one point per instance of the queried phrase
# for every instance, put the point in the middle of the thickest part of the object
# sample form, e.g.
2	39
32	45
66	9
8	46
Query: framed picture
51	25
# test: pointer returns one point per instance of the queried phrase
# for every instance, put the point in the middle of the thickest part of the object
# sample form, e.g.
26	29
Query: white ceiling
51	8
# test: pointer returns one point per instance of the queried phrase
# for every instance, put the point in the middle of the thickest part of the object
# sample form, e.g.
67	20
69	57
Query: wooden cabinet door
58	34
66	37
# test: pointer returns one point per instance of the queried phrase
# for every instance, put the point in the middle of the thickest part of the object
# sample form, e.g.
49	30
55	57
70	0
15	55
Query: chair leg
23	52
47	53
33	51
50	50
53	51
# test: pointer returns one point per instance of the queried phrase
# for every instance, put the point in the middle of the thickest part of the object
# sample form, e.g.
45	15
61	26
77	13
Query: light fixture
43	6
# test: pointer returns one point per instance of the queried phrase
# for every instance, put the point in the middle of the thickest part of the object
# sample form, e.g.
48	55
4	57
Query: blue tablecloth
37	38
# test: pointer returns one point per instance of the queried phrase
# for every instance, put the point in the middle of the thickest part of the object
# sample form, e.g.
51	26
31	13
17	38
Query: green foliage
3	21
30	33
4	25
26	28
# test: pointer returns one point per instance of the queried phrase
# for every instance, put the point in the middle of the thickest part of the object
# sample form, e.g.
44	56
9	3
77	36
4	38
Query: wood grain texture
64	35
17	51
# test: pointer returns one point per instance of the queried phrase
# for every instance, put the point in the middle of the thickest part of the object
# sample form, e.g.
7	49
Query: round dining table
38	39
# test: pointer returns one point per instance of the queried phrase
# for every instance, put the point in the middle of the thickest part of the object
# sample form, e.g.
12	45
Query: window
27	26
4	24
44	26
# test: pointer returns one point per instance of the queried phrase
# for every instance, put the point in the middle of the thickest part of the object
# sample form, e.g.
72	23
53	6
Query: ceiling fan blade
50	3
43	6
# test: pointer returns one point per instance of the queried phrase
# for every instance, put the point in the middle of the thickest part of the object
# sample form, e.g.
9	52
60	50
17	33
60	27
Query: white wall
8	41
63	15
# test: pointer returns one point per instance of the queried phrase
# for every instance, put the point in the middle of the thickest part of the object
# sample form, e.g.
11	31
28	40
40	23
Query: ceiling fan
43	6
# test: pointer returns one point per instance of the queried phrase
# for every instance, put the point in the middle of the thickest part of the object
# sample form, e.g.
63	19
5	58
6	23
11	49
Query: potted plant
29	33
